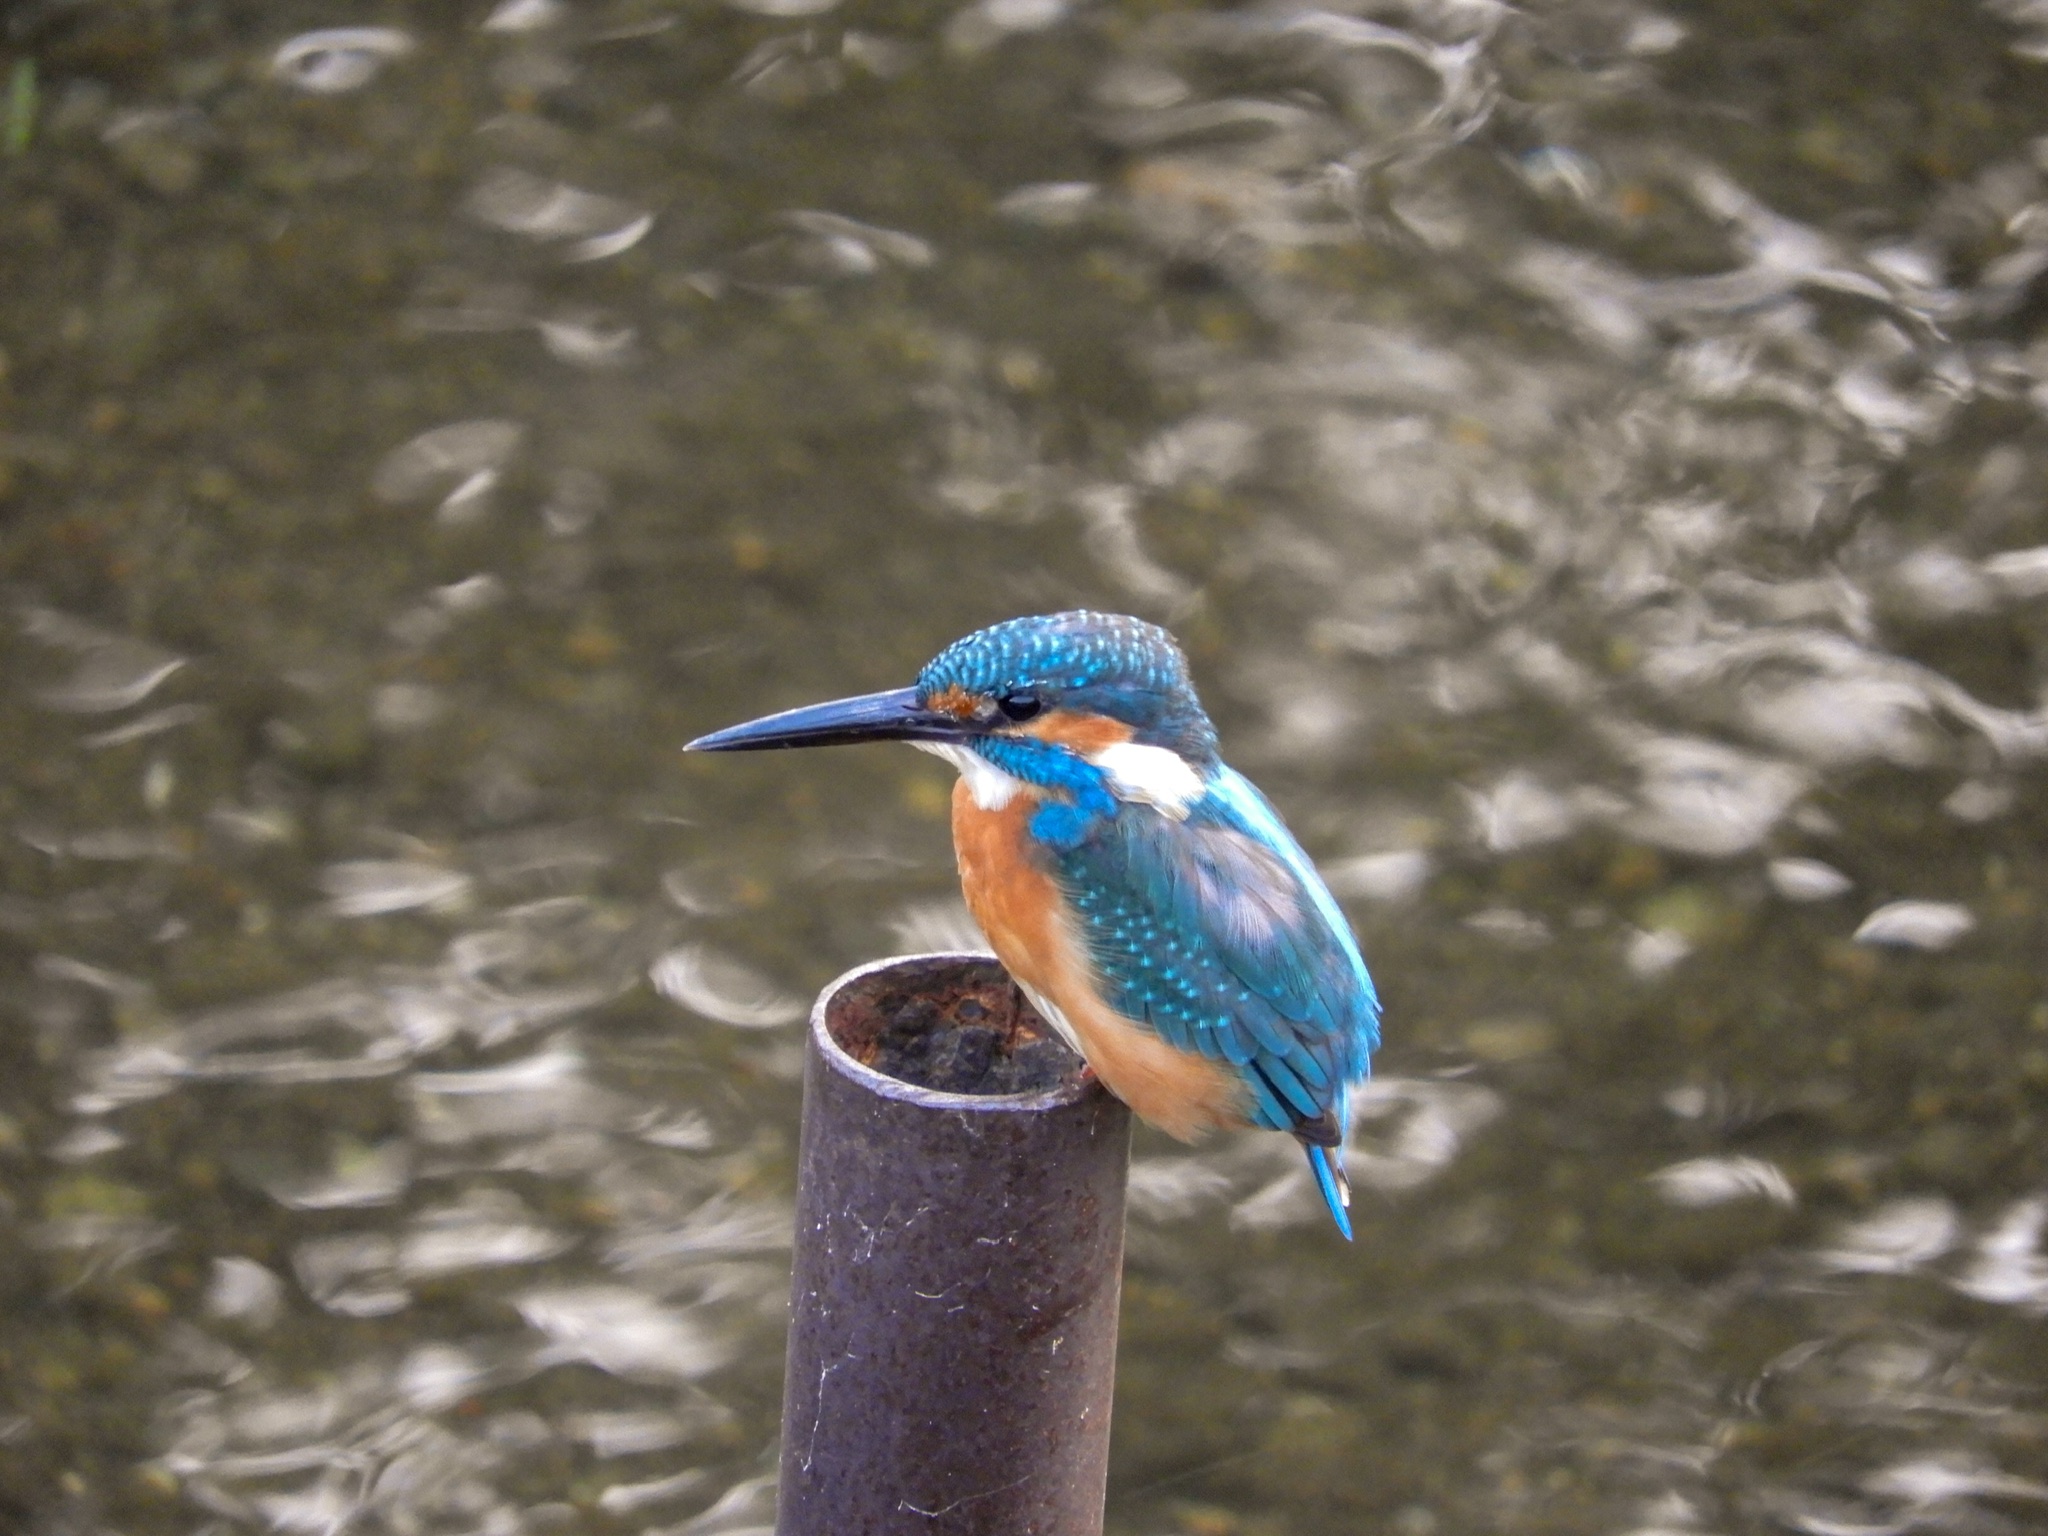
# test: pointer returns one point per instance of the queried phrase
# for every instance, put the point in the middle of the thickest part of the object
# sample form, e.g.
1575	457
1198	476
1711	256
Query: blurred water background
1593	452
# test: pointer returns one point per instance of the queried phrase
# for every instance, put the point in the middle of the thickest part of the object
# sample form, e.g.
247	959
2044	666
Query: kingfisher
1146	898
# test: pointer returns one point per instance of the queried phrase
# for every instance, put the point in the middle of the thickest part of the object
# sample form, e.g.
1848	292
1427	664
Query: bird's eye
1019	704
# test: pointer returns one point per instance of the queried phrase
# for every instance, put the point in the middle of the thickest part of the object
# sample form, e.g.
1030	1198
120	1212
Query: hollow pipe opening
949	1031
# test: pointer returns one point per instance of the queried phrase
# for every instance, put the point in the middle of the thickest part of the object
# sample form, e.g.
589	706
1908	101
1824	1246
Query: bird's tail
1327	1164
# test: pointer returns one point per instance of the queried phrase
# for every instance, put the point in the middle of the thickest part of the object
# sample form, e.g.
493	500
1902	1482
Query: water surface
1593	455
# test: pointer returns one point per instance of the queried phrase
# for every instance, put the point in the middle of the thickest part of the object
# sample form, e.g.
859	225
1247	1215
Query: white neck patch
1154	776
991	787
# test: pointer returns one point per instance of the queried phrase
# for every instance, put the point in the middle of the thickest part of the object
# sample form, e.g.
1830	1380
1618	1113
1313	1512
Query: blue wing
1217	932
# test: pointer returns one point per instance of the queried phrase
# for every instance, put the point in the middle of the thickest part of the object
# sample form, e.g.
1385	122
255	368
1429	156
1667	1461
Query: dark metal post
959	1257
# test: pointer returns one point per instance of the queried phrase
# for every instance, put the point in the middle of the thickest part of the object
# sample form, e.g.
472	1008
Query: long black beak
897	715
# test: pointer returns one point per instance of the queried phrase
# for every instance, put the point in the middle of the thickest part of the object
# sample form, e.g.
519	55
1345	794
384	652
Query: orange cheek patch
955	701
1085	734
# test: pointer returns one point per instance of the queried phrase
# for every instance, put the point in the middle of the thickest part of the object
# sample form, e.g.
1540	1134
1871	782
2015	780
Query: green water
1593	456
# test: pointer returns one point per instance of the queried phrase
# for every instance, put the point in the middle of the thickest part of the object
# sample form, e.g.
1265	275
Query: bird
1145	896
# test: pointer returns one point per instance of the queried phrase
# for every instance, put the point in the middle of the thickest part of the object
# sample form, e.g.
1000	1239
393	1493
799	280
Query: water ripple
338	59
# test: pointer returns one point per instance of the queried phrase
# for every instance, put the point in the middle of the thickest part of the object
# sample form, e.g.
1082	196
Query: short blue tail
1323	1163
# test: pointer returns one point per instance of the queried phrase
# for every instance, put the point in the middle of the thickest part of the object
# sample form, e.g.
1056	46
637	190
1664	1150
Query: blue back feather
1217	933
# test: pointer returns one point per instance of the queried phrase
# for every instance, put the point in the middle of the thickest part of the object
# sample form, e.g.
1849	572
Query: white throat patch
991	787
1154	776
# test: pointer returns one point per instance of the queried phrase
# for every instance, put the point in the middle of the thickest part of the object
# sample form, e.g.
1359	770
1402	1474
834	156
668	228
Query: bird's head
1082	681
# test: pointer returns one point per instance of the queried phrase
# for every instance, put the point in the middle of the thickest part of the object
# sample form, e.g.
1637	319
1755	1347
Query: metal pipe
959	1258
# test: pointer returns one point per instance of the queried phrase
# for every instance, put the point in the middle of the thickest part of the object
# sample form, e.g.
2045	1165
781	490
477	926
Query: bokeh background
1593	453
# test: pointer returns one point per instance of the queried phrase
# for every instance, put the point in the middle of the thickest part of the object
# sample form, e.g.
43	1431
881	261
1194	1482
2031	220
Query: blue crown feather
1093	663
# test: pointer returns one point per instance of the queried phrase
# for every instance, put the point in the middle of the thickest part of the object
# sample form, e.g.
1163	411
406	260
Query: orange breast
1021	910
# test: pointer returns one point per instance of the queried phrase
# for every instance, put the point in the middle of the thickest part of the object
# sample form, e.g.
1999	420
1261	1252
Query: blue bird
1145	896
